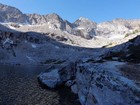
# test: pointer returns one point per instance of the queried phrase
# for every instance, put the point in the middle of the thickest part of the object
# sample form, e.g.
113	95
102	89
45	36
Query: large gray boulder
51	79
58	75
103	84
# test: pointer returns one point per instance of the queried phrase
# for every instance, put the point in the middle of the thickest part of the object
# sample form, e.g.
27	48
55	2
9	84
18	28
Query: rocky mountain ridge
83	27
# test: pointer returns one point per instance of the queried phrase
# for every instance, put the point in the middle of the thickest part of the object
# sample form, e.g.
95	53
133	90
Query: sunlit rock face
11	14
83	32
85	27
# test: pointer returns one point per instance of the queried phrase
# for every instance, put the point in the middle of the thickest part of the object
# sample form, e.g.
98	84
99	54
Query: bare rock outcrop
11	14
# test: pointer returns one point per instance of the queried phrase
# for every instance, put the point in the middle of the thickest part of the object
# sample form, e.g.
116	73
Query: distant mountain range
83	27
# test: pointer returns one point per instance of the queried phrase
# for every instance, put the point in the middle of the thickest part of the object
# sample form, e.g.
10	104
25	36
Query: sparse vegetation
131	33
108	45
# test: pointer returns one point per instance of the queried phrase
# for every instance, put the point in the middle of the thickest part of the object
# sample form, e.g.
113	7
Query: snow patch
11	27
80	28
25	41
56	47
30	59
8	41
33	46
116	37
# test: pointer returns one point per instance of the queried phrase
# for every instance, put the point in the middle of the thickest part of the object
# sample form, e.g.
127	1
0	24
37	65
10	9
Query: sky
95	10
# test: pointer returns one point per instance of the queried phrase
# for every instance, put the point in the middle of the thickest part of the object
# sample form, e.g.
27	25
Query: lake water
19	86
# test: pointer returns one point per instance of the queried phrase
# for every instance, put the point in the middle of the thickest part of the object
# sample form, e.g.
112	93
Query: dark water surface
19	86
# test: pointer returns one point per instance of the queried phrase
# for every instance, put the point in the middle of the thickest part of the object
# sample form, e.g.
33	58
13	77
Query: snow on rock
12	27
80	28
8	41
118	36
30	59
33	46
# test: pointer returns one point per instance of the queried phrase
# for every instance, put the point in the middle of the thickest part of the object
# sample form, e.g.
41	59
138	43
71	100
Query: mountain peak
84	22
83	19
54	16
7	8
11	14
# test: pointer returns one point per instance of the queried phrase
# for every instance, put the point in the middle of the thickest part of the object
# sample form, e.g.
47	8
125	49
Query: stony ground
19	86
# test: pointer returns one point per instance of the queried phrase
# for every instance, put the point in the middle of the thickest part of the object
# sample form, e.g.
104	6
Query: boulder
58	75
95	83
50	79
103	84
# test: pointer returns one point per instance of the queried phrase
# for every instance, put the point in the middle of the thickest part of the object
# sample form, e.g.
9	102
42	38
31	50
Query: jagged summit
11	14
41	19
83	21
83	27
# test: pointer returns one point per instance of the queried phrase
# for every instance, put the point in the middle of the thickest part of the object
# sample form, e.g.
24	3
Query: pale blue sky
96	10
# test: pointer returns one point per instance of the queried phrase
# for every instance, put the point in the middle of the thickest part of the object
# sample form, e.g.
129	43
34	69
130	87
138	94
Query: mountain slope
83	27
11	14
